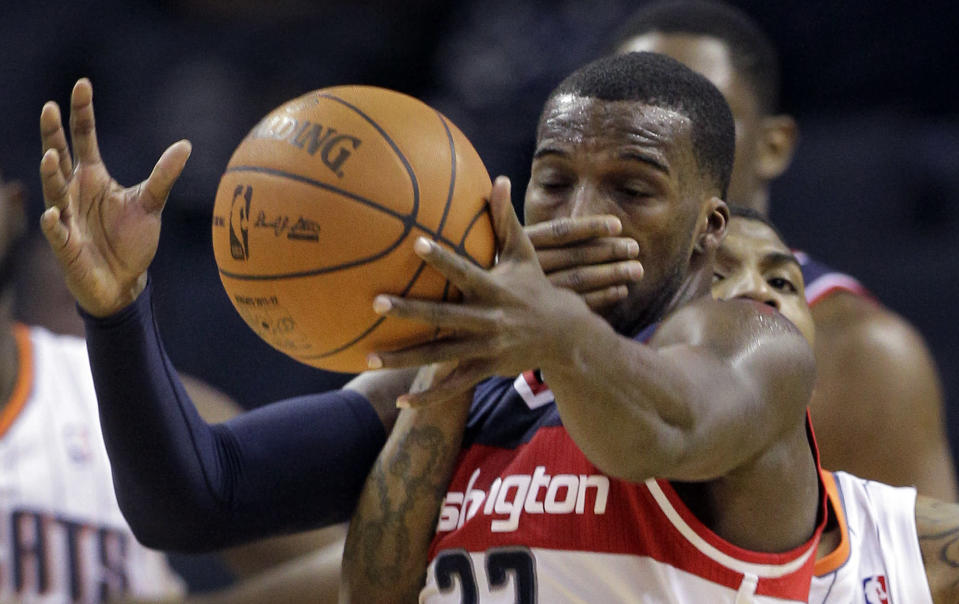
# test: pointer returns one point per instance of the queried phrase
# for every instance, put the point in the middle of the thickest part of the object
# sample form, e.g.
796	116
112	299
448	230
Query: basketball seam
409	221
422	266
408	225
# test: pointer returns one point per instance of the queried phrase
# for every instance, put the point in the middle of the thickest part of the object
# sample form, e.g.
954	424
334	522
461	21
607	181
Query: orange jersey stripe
838	556
21	389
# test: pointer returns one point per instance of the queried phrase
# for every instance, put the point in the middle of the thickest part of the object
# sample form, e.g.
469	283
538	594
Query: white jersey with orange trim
527	518
62	537
878	559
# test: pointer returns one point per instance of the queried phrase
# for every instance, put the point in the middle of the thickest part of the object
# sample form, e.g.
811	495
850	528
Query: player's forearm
387	546
185	485
607	380
937	525
678	406
153	434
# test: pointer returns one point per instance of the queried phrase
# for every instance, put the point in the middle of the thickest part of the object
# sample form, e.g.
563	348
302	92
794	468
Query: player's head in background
644	138
755	263
729	48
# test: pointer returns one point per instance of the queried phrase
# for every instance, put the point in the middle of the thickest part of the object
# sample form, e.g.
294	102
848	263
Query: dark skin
937	523
864	352
755	264
680	400
104	236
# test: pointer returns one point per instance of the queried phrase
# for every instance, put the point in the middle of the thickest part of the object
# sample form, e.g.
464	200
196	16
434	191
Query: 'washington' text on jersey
518	493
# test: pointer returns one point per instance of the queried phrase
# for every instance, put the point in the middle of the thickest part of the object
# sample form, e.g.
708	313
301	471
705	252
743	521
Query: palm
104	235
112	240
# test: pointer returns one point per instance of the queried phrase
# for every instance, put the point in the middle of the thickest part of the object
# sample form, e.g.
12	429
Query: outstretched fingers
443	315
56	190
54	229
52	136
436	351
466	276
156	188
83	130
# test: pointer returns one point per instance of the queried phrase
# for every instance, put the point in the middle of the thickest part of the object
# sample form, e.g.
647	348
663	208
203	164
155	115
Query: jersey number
500	564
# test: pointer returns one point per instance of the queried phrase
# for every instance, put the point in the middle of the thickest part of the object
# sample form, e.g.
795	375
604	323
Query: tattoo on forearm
384	542
937	524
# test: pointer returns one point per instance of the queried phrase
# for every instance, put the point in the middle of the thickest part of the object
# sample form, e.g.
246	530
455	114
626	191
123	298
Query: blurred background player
61	532
877	535
875	374
62	537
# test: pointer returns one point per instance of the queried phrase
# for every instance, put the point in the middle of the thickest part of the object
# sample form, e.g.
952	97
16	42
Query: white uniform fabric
62	536
878	560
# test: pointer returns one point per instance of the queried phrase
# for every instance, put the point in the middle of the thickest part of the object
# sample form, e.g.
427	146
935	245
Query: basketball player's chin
620	315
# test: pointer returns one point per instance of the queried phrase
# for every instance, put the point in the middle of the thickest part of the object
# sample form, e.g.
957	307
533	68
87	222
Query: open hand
103	235
504	323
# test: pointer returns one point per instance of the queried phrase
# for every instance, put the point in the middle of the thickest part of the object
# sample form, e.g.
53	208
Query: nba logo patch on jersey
875	590
77	443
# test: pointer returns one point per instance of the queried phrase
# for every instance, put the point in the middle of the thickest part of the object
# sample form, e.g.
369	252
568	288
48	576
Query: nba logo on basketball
240	222
875	590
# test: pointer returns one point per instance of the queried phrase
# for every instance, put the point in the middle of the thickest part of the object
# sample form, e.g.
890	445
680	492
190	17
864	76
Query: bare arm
387	545
876	376
682	401
937	523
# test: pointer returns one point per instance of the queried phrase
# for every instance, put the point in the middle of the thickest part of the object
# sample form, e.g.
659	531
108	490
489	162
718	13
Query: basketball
317	212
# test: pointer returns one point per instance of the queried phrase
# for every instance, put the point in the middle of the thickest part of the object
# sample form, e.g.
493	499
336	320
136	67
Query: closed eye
782	284
633	193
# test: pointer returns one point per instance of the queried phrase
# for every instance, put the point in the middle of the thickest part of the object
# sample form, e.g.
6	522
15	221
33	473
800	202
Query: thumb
156	188
511	240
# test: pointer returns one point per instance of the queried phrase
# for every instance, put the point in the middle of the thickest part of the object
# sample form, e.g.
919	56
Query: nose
752	286
586	201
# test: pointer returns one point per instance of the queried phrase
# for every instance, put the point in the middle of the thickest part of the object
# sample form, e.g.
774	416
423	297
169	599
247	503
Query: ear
777	143
714	222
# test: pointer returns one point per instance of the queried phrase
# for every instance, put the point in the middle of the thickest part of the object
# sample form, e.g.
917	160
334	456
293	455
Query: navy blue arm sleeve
187	485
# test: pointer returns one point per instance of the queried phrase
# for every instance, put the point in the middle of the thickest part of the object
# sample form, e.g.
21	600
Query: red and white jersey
822	280
878	559
527	518
62	537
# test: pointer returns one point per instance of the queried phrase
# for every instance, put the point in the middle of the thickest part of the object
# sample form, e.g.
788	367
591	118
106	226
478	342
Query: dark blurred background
872	191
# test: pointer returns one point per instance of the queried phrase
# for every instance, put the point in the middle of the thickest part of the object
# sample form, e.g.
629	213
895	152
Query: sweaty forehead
583	121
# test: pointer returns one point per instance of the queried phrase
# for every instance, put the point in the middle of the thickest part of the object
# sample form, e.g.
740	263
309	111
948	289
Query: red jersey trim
534	392
21	389
764	565
826	285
